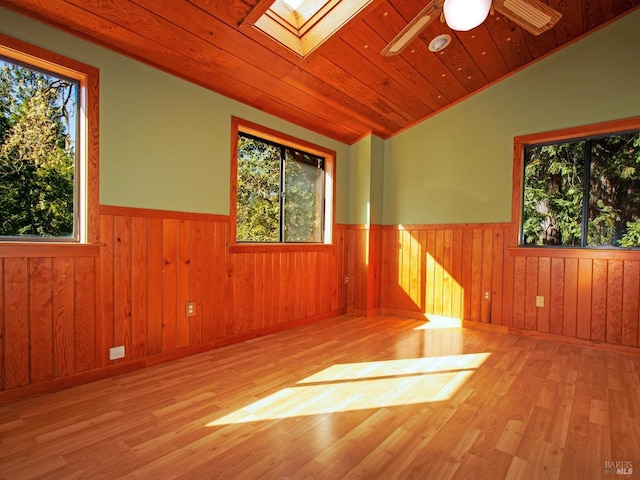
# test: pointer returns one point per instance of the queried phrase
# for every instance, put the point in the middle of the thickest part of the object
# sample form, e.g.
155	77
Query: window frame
517	200
239	125
87	167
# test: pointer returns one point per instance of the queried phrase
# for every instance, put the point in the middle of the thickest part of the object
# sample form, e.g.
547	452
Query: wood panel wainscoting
475	273
363	269
61	312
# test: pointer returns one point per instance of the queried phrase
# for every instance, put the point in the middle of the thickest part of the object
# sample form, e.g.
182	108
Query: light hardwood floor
351	397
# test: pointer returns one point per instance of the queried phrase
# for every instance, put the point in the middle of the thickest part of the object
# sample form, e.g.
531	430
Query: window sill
280	247
590	253
48	249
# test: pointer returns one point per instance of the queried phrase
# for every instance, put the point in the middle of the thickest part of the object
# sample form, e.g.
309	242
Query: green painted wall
457	166
360	181
366	170
164	142
377	179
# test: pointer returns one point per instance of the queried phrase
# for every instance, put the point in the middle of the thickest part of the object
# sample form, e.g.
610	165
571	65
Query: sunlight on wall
444	293
424	271
358	386
410	256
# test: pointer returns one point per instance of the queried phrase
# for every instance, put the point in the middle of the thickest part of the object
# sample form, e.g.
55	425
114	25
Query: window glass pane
614	196
303	197
553	194
38	132
258	183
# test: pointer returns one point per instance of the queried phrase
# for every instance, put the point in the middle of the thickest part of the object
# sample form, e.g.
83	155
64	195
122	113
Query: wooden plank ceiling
345	89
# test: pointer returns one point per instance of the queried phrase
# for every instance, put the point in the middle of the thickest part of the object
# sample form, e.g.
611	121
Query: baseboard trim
360	312
62	383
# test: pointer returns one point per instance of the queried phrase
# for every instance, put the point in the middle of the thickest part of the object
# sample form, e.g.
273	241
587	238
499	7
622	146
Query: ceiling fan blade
533	15
413	29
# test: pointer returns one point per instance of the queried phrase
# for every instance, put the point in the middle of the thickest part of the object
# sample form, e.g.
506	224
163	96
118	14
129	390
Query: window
582	191
48	149
281	188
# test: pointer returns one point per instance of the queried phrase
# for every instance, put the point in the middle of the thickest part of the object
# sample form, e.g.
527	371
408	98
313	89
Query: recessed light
440	42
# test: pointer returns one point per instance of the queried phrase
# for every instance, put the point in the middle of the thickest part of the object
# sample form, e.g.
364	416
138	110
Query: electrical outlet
116	352
539	301
487	295
190	309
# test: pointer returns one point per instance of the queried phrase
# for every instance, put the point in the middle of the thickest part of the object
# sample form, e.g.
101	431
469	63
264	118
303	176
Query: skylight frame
304	29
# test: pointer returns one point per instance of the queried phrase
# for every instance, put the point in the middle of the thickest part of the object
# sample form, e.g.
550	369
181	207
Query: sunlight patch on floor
438	321
358	386
401	367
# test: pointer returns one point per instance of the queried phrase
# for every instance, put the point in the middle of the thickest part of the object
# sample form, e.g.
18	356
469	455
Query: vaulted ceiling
344	89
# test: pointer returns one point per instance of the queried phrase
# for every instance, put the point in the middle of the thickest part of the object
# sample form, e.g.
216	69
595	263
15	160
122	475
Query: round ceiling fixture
463	15
440	42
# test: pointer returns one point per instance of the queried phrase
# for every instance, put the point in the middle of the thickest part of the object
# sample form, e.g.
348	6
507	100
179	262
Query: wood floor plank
344	398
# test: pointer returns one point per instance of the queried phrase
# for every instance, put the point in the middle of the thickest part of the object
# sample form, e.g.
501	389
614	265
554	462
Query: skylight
293	4
303	25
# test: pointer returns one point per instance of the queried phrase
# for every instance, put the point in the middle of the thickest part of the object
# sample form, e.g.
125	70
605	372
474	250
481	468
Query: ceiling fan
532	15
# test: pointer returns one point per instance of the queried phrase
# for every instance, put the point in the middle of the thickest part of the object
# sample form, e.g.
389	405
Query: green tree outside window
280	193
37	152
583	193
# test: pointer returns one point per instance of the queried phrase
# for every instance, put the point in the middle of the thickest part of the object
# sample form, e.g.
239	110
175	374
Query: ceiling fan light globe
463	15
